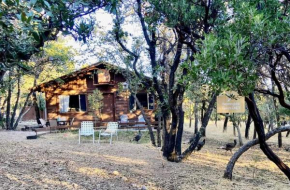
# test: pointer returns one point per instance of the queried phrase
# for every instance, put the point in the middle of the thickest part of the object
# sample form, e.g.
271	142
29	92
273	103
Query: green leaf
47	4
36	36
33	2
23	17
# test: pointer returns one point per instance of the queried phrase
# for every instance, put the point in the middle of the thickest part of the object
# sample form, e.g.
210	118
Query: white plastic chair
112	129
87	129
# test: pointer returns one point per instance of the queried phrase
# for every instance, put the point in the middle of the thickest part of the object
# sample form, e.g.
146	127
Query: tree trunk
166	131
147	121
8	103
179	132
255	133
278	122
192	146
248	124
231	164
202	110
208	113
16	103
37	112
234	130
195	117
261	134
22	113
233	118
239	135
226	122
158	131
190	119
271	124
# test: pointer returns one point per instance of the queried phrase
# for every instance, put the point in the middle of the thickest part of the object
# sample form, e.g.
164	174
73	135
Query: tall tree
252	47
167	35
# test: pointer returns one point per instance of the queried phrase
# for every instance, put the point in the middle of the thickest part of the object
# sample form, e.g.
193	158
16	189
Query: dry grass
57	161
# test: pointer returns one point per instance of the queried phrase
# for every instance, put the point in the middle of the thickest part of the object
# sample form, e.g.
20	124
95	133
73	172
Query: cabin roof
85	70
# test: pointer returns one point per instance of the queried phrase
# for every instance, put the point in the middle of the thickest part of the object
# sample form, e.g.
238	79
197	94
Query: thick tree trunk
261	134
208	113
166	131
179	132
231	164
248	124
195	117
226	122
147	121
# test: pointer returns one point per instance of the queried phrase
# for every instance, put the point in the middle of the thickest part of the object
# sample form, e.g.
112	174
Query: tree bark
36	108
208	113
8	103
195	117
202	110
22	113
278	121
255	133
261	135
231	164
226	122
16	103
238	129
234	130
179	132
248	124
147	121
158	131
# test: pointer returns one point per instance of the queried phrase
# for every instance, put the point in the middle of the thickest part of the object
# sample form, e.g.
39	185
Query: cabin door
108	111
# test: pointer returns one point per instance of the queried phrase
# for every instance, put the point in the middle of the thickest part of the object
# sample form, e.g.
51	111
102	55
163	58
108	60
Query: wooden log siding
77	84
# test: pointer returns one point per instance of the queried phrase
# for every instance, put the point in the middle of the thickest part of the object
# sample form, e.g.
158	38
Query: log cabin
67	96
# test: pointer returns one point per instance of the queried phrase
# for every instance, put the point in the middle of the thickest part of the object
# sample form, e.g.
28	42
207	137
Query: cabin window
146	100
72	103
101	76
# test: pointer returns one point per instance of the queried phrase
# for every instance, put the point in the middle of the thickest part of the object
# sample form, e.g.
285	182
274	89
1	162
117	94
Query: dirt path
57	161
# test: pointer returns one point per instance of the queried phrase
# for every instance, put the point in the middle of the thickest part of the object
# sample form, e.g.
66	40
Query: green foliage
25	26
96	102
41	102
224	63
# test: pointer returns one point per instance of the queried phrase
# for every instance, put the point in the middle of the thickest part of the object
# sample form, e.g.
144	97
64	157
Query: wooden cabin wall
84	85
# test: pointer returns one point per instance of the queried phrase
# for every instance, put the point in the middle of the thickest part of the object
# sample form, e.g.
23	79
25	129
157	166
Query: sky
104	23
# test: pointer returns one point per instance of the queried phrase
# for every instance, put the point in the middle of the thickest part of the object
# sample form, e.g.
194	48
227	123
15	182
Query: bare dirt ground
57	161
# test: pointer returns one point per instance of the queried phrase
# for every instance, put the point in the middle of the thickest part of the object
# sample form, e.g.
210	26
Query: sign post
230	102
